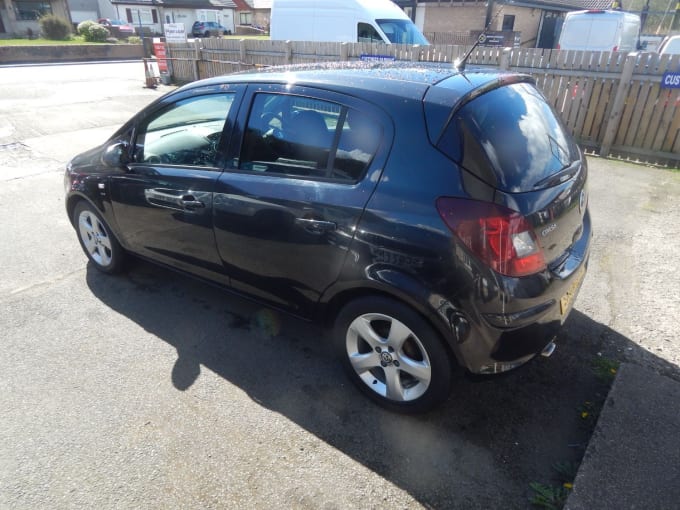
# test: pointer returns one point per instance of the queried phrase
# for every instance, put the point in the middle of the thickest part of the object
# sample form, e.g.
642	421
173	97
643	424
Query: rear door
298	180
163	204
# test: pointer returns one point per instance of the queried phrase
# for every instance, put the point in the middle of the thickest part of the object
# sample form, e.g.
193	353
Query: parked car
428	216
670	45
117	28
207	29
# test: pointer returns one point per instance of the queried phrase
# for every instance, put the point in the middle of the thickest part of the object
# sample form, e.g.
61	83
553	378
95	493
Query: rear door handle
315	226
190	203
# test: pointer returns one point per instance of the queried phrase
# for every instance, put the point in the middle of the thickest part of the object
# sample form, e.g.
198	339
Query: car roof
407	79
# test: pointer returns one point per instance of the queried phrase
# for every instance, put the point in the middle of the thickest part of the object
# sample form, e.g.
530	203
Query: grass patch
553	497
73	41
605	369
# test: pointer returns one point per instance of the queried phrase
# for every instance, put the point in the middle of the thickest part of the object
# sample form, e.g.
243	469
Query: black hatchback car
429	217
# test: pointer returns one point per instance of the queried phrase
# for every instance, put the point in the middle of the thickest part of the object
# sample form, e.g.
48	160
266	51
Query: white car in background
670	46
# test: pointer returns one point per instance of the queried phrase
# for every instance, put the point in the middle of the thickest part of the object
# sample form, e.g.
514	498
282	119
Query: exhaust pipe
549	349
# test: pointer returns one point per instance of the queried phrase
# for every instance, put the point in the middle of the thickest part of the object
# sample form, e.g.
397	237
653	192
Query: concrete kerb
633	458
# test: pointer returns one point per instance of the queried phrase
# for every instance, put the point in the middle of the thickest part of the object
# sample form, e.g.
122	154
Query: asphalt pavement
150	389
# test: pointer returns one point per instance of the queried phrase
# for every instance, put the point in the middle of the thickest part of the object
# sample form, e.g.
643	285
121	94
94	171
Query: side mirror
116	155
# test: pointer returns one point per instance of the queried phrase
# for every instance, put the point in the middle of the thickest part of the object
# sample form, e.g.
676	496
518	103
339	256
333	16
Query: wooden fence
613	103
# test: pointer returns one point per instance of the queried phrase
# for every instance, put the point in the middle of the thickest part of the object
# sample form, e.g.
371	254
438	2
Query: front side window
299	136
401	31
187	133
367	33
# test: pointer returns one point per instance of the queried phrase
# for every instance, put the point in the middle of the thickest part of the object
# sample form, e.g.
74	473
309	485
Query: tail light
501	238
616	48
558	46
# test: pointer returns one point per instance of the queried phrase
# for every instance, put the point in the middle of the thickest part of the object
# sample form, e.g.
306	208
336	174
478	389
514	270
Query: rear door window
510	138
307	137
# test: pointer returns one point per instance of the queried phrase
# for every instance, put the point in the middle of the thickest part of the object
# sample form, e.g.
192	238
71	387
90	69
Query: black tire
96	239
410	374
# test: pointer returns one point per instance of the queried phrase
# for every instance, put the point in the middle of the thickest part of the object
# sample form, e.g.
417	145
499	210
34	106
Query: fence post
344	52
504	63
197	58
614	119
242	51
415	54
288	58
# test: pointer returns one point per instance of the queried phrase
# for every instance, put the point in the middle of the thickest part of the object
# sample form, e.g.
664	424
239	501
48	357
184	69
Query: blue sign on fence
670	80
377	58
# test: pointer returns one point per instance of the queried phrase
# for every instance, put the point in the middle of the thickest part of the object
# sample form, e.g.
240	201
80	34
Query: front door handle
315	226
190	203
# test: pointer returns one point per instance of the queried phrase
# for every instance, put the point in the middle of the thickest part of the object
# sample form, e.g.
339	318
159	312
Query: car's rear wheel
96	239
393	354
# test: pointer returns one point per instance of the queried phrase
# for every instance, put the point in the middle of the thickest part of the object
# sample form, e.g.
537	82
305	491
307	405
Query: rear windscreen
510	138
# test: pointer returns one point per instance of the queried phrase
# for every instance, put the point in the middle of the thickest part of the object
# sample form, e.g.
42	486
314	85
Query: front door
288	203
163	204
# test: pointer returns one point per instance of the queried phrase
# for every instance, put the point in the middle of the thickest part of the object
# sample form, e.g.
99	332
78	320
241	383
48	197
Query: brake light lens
501	238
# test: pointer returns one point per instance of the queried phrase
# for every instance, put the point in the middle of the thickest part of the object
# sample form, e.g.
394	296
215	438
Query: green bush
93	32
134	39
84	27
55	28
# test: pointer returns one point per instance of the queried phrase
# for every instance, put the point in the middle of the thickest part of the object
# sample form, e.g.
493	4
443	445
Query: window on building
141	16
206	15
31	10
509	22
245	18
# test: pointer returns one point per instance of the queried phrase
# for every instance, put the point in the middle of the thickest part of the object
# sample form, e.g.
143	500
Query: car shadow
479	450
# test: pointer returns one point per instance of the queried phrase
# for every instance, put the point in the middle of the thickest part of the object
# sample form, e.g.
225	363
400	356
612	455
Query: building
149	16
20	17
538	21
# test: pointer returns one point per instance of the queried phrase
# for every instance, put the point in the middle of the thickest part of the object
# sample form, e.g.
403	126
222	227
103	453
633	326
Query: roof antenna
460	64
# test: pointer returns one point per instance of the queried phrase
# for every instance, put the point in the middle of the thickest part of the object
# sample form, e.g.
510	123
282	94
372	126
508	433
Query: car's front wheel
393	354
96	239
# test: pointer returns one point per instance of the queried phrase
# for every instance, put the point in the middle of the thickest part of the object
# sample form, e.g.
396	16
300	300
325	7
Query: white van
600	31
343	21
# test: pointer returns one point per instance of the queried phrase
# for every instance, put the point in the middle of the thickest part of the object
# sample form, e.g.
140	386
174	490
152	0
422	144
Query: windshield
401	31
117	22
509	137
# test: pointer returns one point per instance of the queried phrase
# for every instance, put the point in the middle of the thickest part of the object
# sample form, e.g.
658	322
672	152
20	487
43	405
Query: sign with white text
175	32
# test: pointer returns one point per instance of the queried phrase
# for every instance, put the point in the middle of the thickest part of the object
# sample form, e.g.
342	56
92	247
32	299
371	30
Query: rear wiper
563	175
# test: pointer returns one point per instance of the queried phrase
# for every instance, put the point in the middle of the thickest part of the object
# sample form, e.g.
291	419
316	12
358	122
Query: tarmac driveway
152	390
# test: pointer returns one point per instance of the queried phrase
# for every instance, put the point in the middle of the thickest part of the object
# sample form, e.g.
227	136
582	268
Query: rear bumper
514	319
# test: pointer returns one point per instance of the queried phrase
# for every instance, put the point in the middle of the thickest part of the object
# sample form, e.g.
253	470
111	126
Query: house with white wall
149	16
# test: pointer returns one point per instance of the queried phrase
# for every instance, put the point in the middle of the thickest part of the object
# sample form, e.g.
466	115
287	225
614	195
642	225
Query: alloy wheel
388	357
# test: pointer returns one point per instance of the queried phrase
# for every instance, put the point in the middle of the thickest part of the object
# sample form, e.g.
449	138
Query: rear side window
510	138
312	138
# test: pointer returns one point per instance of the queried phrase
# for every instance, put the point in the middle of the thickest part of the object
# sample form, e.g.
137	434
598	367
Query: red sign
159	51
